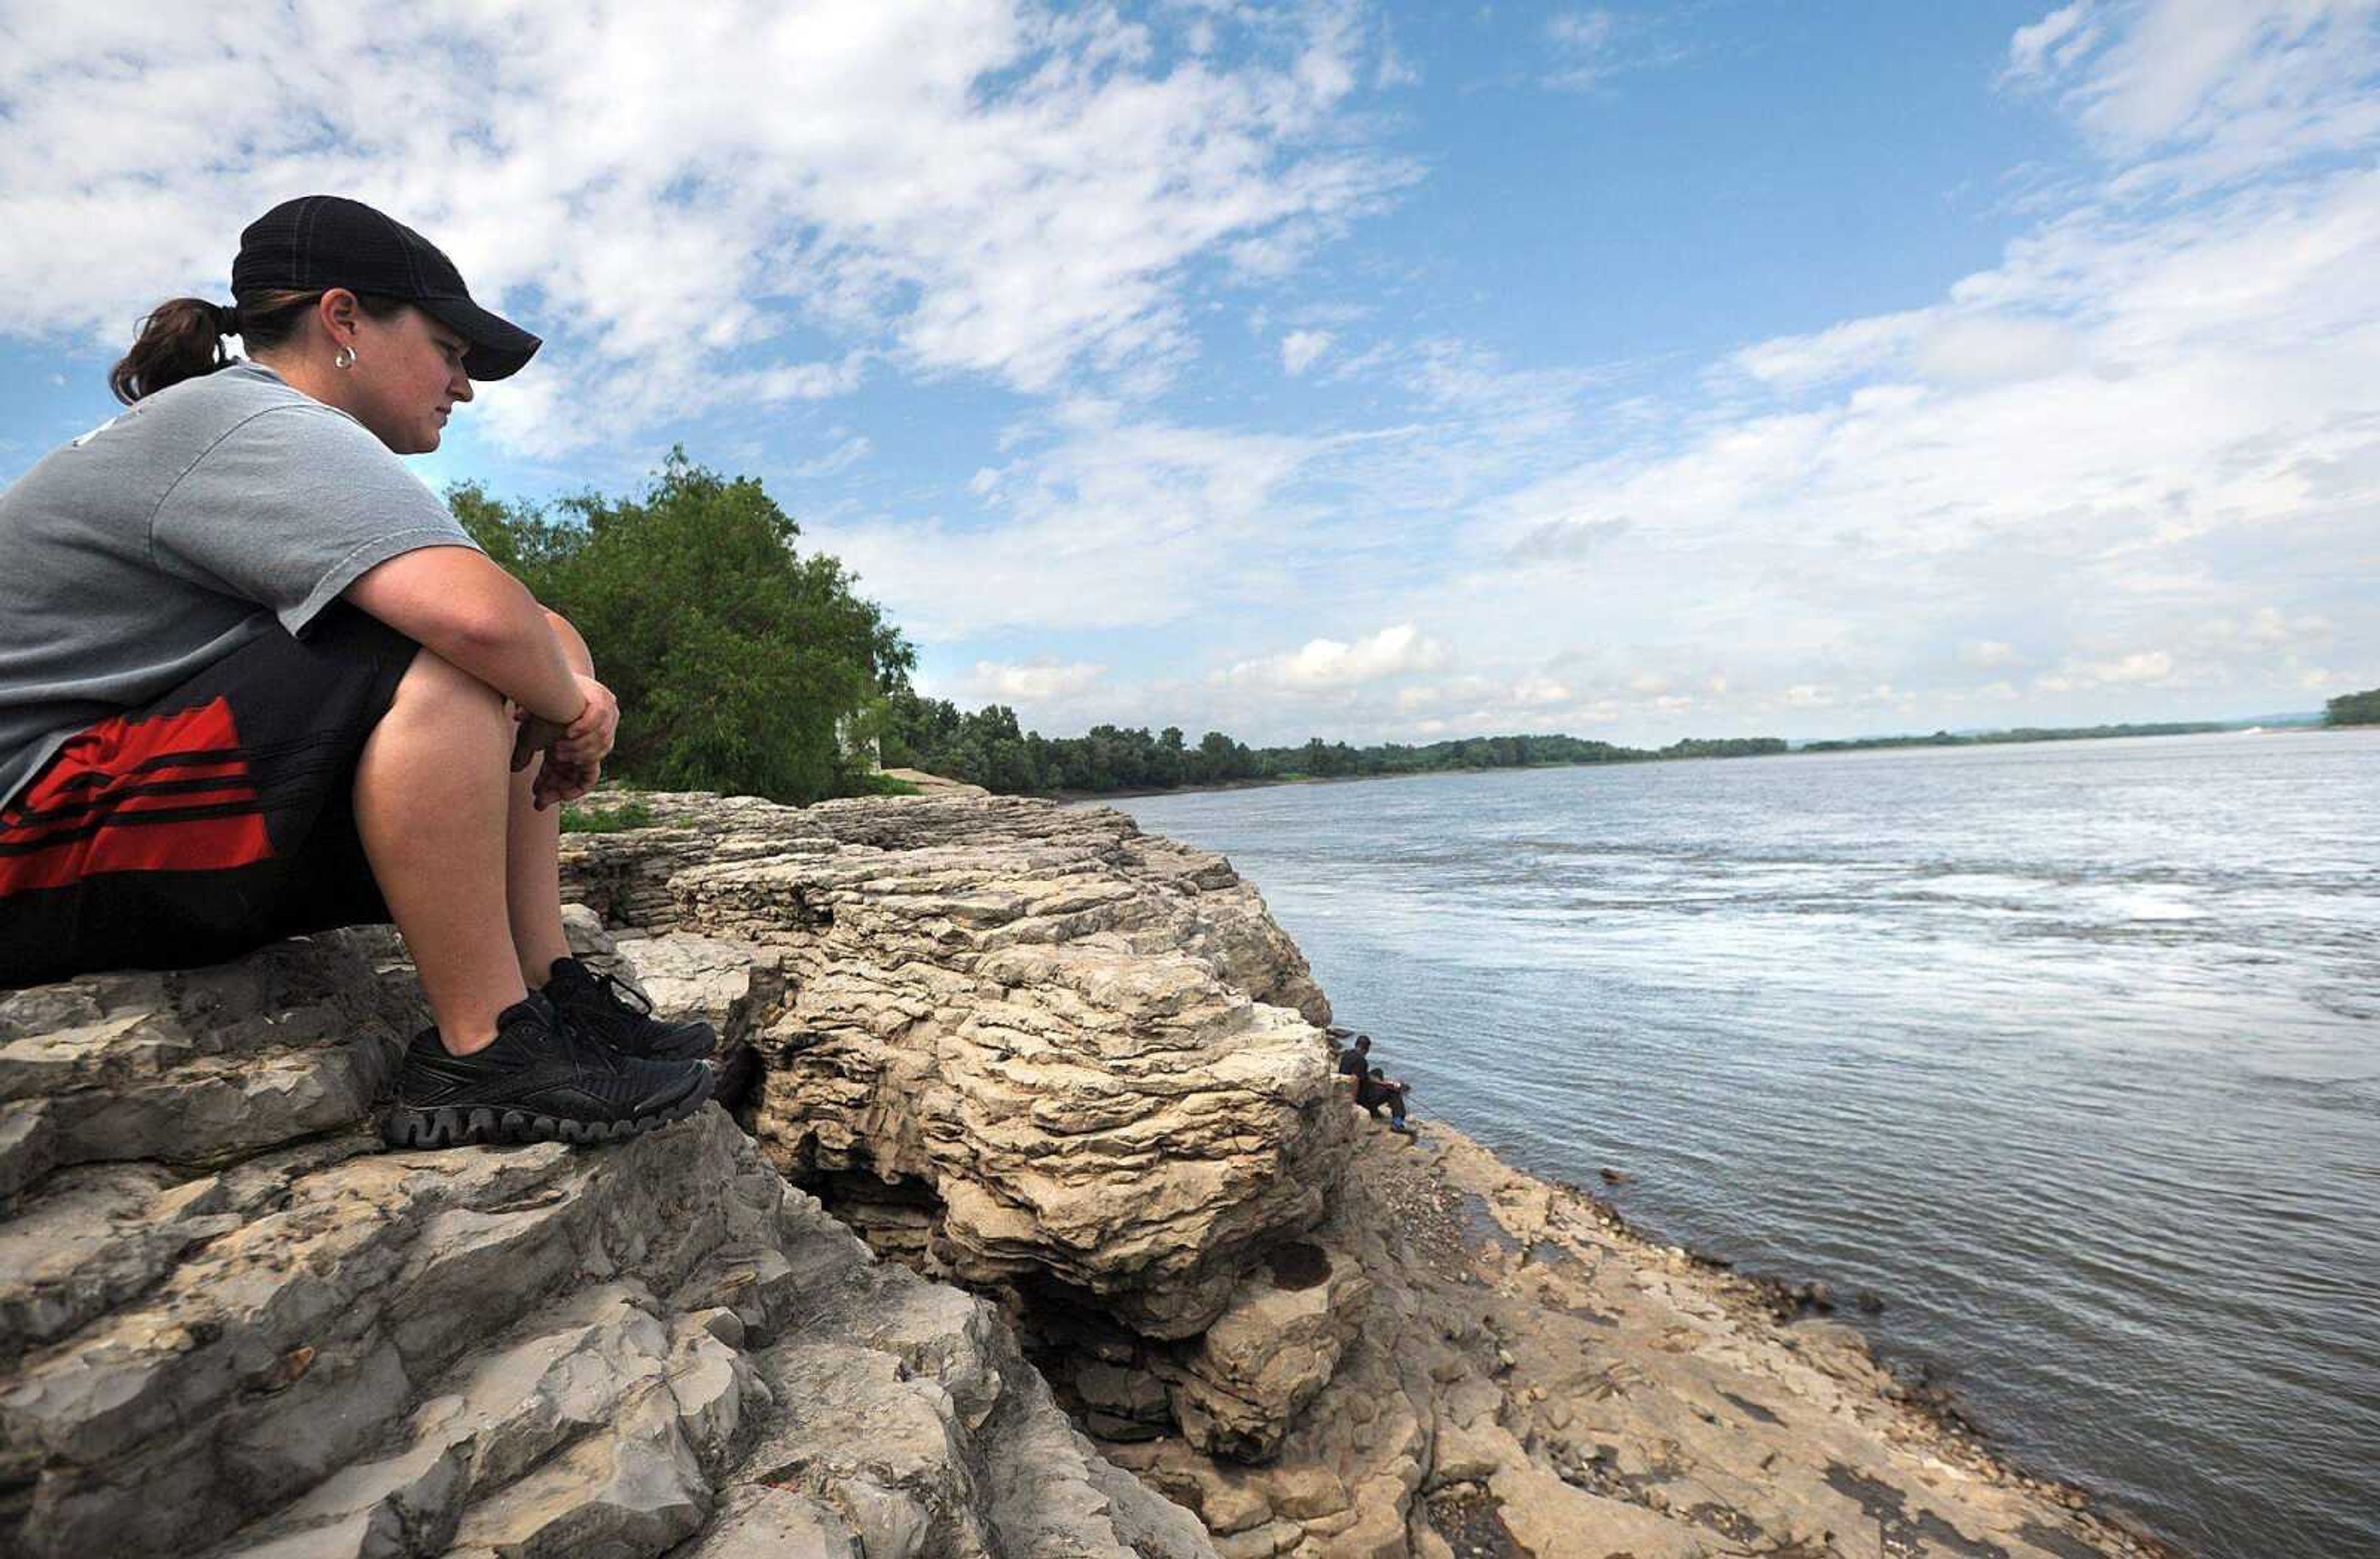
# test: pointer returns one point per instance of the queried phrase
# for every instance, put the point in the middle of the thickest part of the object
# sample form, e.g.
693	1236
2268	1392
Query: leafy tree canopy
741	664
2353	709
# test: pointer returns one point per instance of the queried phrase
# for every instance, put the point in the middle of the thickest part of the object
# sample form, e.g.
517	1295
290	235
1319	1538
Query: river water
2071	1052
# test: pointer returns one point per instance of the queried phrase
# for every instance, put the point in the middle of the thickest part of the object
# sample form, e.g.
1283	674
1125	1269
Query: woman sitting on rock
256	681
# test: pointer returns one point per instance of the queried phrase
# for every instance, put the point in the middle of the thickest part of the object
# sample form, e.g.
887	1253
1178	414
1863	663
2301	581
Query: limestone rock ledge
1040	1049
230	1324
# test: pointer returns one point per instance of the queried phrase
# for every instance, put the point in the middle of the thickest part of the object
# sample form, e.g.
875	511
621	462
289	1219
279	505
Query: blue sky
1365	370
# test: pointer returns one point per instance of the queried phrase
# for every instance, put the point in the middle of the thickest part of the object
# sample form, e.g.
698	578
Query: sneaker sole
453	1126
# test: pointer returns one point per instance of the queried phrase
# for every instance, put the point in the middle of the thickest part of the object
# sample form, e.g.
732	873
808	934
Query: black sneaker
537	1082
609	1008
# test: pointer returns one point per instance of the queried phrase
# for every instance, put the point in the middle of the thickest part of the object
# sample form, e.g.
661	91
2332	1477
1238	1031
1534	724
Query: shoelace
582	1047
624	994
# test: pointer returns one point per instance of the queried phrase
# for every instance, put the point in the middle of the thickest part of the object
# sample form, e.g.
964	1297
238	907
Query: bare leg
533	853
431	806
533	882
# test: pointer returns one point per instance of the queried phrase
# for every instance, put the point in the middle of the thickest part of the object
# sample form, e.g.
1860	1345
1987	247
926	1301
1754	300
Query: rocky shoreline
1131	1277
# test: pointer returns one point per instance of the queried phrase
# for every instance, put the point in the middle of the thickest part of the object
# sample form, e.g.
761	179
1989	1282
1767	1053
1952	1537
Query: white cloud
2194	91
2053	43
1109	523
1986	653
1581	44
1583	32
2271	627
1585	49
968	186
793	380
1798	362
1299	349
1566	540
2142	665
850	452
1330	664
1994	349
2136	667
1952	345
1032	681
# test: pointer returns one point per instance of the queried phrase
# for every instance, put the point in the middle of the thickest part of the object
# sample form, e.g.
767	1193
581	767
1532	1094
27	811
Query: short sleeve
290	507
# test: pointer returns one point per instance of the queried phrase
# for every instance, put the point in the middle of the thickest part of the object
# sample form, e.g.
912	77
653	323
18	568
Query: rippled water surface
2071	1051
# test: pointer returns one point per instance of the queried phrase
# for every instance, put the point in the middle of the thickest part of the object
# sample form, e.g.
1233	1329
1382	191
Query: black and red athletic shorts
217	818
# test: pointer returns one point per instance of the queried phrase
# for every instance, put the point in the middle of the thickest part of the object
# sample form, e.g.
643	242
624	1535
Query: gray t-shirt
152	547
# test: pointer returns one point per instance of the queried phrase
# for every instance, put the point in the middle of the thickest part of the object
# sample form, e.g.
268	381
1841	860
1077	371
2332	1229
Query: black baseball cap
317	241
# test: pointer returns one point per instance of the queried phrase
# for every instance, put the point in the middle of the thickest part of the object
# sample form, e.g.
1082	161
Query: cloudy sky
1706	368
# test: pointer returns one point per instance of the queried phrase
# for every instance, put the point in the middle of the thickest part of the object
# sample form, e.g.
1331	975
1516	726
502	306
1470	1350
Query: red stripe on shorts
92	774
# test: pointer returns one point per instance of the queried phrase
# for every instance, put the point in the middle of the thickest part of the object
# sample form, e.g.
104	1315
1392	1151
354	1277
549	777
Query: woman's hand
532	734
559	779
569	756
587	741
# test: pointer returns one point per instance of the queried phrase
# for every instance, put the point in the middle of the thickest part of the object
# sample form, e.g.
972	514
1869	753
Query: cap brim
499	348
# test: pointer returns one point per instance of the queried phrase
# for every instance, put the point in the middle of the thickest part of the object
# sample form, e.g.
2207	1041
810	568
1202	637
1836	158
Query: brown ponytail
183	338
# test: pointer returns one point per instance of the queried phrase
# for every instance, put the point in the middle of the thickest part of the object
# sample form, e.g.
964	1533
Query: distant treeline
2025	734
988	749
2353	709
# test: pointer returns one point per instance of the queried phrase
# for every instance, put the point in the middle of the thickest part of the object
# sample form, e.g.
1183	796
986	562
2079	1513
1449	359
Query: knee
434	687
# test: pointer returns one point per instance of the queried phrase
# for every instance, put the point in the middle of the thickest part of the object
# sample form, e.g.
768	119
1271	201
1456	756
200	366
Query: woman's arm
463	607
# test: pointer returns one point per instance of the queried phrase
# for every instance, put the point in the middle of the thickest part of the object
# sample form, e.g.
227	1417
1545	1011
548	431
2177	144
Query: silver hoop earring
347	358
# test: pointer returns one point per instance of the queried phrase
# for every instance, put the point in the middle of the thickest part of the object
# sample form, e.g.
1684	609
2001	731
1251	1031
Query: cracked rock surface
231	1324
1075	1057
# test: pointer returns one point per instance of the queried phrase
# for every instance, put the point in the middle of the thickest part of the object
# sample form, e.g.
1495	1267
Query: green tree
2353	709
740	664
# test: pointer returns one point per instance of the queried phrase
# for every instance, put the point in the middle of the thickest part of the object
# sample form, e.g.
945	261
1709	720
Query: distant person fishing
1371	1088
256	681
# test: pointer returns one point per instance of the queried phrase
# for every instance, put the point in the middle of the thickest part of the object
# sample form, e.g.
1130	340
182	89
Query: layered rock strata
229	1323
1078	1059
